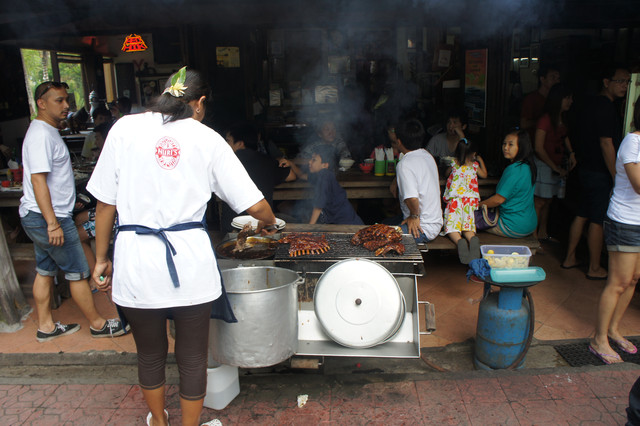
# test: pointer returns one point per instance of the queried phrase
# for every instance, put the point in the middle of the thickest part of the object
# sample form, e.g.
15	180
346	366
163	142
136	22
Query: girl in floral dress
462	198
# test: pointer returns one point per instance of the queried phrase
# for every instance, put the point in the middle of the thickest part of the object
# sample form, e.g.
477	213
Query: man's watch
414	216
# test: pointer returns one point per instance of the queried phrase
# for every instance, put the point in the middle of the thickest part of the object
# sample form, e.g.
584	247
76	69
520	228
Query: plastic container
223	386
506	257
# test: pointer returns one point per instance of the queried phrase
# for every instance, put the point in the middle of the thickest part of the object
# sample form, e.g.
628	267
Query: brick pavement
595	395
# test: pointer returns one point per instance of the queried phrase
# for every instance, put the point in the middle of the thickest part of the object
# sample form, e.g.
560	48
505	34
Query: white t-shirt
44	151
625	203
158	176
418	178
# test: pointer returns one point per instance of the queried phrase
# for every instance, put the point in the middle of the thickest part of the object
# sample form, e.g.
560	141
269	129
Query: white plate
240	221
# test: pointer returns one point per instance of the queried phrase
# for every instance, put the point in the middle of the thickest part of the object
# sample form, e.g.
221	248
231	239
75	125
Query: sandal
603	357
625	345
149	416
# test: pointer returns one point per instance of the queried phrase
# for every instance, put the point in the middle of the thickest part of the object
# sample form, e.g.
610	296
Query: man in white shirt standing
45	214
418	183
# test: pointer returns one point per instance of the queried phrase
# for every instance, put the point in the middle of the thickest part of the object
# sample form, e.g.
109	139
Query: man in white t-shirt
45	214
418	183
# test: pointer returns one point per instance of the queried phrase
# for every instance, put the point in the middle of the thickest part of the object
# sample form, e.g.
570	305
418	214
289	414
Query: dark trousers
149	328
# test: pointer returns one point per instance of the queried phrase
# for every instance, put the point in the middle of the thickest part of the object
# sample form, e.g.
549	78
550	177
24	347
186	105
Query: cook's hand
265	229
56	235
414	226
104	270
572	162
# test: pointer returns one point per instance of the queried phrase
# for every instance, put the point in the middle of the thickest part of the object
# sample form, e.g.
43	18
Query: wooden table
359	185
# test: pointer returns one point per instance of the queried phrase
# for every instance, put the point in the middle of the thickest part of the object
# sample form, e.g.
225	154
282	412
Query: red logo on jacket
167	153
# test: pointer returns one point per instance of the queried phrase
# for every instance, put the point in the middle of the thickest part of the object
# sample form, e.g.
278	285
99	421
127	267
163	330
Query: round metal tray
358	303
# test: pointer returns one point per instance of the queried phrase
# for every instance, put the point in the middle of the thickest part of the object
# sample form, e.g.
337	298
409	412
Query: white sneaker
214	422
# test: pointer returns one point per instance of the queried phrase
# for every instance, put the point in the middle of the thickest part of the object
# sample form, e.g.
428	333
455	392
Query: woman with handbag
514	193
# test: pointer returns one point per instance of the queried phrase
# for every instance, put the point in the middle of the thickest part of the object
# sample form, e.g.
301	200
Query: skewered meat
379	238
301	243
397	247
241	239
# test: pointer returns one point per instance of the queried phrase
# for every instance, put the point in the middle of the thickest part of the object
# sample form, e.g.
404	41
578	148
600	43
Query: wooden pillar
13	306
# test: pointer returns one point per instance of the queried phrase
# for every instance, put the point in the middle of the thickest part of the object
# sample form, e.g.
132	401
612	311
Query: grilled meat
241	239
301	243
397	247
379	238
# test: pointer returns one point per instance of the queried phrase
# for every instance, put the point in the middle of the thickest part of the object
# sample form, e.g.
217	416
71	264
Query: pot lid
358	303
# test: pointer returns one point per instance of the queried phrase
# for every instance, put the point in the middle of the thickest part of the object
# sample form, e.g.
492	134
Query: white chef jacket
159	175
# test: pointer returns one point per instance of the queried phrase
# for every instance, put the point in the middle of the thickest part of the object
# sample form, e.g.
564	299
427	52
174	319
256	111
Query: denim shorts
621	237
420	240
69	257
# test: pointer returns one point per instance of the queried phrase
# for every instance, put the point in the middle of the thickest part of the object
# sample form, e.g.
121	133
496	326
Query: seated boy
329	200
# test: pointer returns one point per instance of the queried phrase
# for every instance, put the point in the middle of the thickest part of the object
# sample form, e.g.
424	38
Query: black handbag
486	217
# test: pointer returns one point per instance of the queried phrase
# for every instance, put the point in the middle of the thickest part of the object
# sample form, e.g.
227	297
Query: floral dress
462	198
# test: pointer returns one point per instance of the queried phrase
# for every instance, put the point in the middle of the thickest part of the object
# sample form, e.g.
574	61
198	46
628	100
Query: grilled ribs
301	243
397	247
379	238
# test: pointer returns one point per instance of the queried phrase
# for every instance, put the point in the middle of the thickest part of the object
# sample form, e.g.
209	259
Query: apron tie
161	234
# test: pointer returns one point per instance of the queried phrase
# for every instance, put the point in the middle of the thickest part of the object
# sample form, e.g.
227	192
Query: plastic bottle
562	187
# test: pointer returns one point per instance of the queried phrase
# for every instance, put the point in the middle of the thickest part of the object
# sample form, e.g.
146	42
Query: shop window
43	65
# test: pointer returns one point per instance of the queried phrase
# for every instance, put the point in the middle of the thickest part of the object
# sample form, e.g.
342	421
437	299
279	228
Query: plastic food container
506	257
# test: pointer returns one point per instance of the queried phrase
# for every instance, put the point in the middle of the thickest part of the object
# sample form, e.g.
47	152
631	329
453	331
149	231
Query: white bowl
346	163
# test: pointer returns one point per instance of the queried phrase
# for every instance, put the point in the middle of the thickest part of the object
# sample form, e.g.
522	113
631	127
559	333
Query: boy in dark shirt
329	200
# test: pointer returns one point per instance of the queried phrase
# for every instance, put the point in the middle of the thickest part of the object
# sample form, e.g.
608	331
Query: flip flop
577	265
592	278
624	345
603	357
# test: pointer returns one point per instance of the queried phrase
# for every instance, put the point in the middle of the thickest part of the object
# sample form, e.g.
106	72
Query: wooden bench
444	243
22	251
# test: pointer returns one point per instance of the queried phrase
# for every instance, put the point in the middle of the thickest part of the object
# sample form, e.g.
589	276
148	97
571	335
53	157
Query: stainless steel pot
265	301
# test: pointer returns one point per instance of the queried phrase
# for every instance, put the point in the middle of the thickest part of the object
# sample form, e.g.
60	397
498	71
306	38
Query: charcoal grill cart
342	311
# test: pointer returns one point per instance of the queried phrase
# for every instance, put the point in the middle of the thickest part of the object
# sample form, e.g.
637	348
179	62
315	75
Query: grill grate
341	248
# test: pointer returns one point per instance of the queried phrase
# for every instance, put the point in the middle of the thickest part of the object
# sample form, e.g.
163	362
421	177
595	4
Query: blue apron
221	308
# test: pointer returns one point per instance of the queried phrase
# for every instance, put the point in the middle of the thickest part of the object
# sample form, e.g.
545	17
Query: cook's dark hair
411	133
525	151
463	149
636	115
245	132
326	153
553	104
173	108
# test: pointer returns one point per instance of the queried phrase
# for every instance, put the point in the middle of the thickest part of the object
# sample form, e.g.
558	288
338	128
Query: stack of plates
240	221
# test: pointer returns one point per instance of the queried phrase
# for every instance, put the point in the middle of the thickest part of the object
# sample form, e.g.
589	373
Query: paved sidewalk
595	395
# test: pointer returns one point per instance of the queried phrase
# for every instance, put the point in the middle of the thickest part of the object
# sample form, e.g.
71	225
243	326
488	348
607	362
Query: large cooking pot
265	301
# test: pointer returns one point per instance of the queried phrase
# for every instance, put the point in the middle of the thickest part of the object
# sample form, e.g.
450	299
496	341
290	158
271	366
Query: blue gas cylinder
503	328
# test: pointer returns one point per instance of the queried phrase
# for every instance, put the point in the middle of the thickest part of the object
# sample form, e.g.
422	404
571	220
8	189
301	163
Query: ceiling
28	19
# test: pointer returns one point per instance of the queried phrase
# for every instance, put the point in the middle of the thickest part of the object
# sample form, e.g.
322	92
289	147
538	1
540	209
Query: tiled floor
565	305
595	397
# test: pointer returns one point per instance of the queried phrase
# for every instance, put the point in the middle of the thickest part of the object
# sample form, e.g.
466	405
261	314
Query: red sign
133	43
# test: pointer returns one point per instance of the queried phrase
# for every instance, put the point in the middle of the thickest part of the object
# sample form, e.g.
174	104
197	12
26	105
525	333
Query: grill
410	263
405	268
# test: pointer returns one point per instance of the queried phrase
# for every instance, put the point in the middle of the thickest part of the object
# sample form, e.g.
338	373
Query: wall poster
475	86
